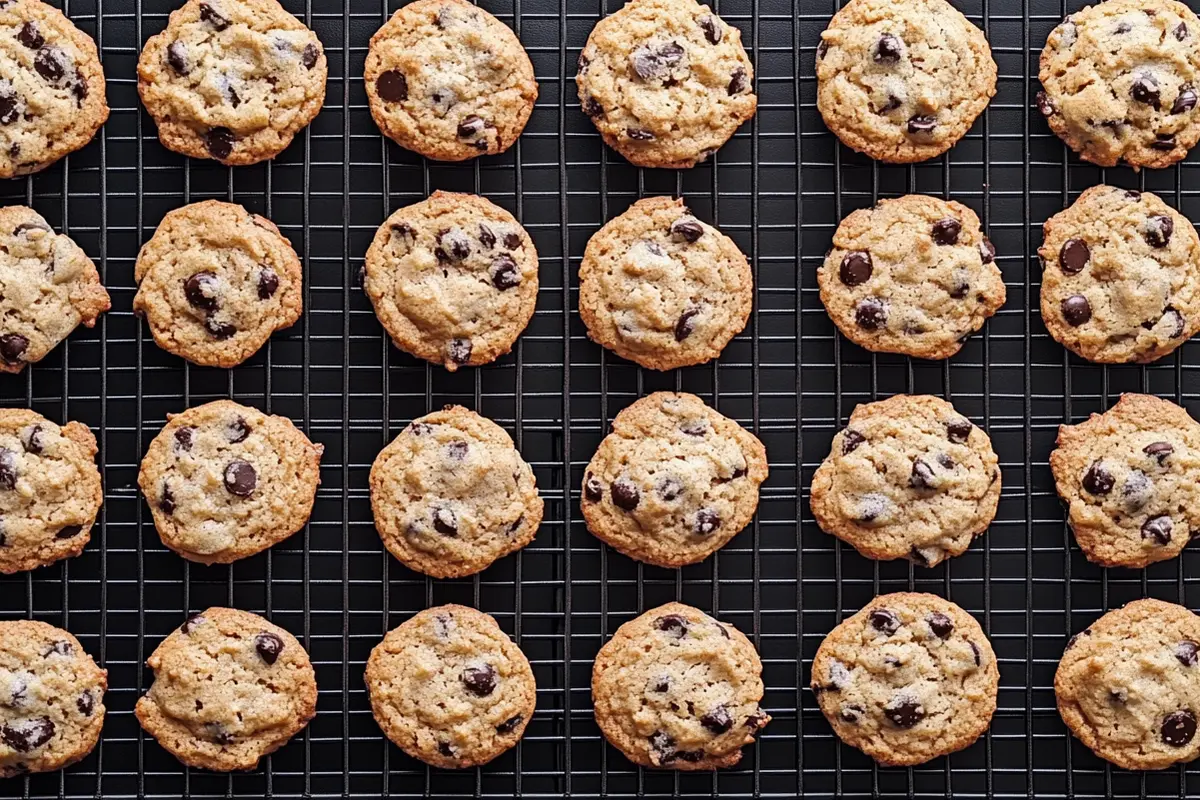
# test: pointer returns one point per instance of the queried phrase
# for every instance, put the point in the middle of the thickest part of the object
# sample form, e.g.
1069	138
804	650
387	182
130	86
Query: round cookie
1120	277
676	689
50	490
907	679
232	80
453	279
1128	686
446	79
902	80
229	688
52	91
48	286
661	288
666	82
909	477
1131	480
913	275
225	481
673	482
1120	82
451	494
51	698
450	688
215	281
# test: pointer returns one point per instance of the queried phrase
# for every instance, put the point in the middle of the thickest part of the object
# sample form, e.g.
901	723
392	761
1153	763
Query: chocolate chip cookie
450	688
673	482
215	281
232	80
229	688
451	494
677	689
907	679
48	286
1120	82
666	82
1120	277
1131	480
659	287
909	477
913	275
50	489
51	698
446	79
902	80
453	279
52	91
1128	686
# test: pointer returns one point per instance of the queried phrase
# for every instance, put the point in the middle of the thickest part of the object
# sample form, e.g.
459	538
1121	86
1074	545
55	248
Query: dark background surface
787	377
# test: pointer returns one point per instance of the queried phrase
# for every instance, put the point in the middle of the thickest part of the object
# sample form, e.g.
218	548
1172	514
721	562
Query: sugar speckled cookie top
662	288
1121	276
902	80
48	286
232	80
913	275
1128	685
677	689
229	688
907	679
451	494
215	281
51	87
909	477
666	82
453	279
446	79
51	698
225	481
450	688
673	482
50	489
1121	79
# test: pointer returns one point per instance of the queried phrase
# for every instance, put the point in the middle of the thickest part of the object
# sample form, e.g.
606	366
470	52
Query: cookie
1120	277
913	275
1120	82
450	688
453	279
666	82
451	494
907	679
52	91
1128	686
225	481
909	477
48	286
902	80
215	281
51	698
446	79
229	688
232	80
1130	478
676	689
673	482
661	288
50	490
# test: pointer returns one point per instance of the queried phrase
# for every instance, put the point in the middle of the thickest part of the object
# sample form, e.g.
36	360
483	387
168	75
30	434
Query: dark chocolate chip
1158	231
60	648
851	713
457	450
166	499
959	430
871	507
237	430
856	268
445	521
9	110
870	313
1181	31
887	50
686	324
673	625
1045	104
695	427
654	63
33	439
904	710
201	290
639	134
922	475
707	521
822	49
455	246
851	439
1177	319
509	725
30	734
69	532
1178	728
49	64
738	82
1137	490
713	31
13	347
1098	480
922	123
717	720
217	733
625	495
1158	450
213	17
663	745
1074	255
946	231
941	625
977	653
592	107
30	36
1188	652
445	749
504	272
8	469
669	488
512	241
392	86
593	490
884	621
240	478
1158	529
1124	27
471	126
86	704
686	229
192	622
268	283
269	646
480	681
219	142
1145	90
310	55
459	350
1164	142
1185	101
487	237
219	330
987	251
1076	310
756	720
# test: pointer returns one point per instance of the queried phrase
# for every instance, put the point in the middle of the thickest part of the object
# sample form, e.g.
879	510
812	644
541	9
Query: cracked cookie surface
450	688
907	679
909	477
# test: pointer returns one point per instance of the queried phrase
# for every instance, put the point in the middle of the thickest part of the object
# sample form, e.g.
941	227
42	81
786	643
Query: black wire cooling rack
778	189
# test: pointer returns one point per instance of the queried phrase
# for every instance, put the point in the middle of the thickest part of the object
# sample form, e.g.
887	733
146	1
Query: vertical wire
568	516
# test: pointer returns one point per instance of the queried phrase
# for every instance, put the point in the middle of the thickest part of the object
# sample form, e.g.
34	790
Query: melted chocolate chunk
1158	231
713	31
1188	652
86	704
884	621
219	330
504	272
28	735
654	63
987	251
1185	100
480	681
1098	480
738	82
1158	530
310	55
69	532
904	710
922	123
192	622
269	646
1145	89
33	439
717	720
922	476
471	126
201	290
166	499
9	111
8	469
959	430
851	439
30	36
941	625
1159	451
686	229
1045	104
268	283
639	134
219	142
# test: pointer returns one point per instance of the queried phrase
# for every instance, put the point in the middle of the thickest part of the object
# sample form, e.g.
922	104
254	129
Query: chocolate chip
183	439
673	625
1177	729
625	495
86	704
13	347
941	625
166	499
504	272
219	142
59	648
1137	490
904	710
1098	480
1164	142
987	251
509	725
1045	104
856	268
717	720
639	134
592	107
884	621
392	86
201	290
695	427
870	313
30	36
1076	310
269	646
686	324
33	439
1158	231
30	734
887	50
654	63
268	283
756	720
822	49
1124	27
946	231
69	532
738	82
240	478
512	241
49	64
959	430
1176	319
593	491
213	17
1159	450
851	713
922	475
459	350
978	655
237	430
457	450
1188	652
1145	90
669	488
1158	529
851	439
1181	31
190	624
471	126
217	733
1074	256
707	521
871	507
922	123
9	110
445	521
1071	642
712	28
663	745
480	681
686	229
310	55
219	330
8	469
